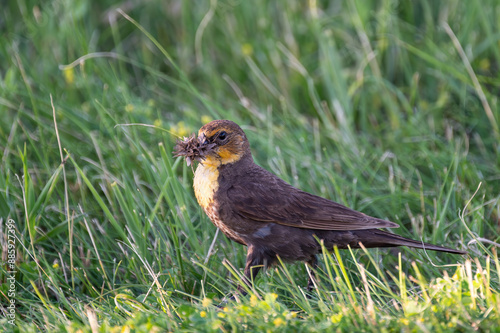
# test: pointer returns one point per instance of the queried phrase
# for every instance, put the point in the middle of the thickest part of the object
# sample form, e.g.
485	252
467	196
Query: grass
389	108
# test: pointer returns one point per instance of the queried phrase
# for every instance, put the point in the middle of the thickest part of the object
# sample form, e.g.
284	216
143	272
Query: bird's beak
203	140
204	148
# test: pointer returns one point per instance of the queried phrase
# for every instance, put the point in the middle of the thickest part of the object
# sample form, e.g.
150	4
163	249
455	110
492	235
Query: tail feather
379	238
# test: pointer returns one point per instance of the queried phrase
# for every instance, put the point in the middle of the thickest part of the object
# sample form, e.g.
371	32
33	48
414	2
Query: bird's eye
222	135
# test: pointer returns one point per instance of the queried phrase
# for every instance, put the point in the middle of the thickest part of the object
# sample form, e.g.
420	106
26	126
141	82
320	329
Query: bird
273	219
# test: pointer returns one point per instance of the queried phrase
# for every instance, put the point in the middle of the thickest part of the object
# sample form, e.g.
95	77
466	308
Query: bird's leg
254	264
313	264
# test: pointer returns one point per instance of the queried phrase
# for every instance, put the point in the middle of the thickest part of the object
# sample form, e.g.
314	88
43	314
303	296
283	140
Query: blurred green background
389	107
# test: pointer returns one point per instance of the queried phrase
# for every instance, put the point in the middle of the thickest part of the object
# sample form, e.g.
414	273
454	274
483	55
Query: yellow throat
206	176
205	181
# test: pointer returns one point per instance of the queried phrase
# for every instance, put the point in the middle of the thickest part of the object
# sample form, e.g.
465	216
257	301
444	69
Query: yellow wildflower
205	119
180	129
278	322
247	49
404	321
485	64
203	314
69	75
336	318
289	315
206	302
253	300
129	108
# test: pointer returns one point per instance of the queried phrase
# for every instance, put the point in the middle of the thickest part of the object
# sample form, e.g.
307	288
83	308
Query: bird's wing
262	196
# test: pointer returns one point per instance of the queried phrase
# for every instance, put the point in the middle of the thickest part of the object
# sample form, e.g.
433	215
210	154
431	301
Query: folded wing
261	196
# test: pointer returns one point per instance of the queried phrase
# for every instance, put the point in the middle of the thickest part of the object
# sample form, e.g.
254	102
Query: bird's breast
205	184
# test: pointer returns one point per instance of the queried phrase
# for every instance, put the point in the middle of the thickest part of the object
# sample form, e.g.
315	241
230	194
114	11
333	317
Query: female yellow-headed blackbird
255	208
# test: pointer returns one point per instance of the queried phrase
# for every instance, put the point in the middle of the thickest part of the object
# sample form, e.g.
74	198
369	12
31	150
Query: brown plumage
272	218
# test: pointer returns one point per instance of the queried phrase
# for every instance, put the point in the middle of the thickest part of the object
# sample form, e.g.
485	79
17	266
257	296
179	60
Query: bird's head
219	142
227	140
